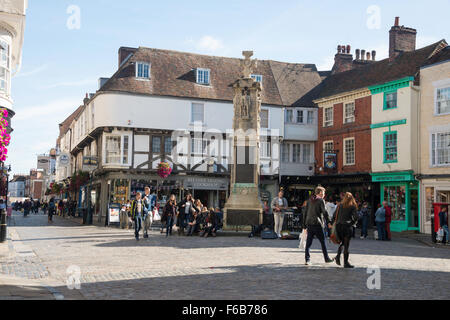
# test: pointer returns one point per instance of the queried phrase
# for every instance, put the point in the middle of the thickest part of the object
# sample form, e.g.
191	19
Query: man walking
137	214
149	204
279	206
380	220
314	221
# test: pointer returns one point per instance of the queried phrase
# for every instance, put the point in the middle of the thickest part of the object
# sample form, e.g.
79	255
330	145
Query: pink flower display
164	170
5	138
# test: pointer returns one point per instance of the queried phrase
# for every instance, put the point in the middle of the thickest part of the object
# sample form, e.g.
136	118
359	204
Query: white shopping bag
440	235
375	235
156	216
302	243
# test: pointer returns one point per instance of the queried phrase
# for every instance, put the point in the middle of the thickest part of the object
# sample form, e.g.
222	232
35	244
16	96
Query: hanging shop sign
64	159
330	161
90	164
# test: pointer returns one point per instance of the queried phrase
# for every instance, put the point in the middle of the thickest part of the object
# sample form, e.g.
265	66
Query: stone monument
244	207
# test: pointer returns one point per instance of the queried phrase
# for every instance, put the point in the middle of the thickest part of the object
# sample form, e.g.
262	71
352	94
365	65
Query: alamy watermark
73	277
374	17
374	280
74	19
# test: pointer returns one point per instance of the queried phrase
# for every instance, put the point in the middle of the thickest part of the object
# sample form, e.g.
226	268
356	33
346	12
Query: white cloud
210	44
32	72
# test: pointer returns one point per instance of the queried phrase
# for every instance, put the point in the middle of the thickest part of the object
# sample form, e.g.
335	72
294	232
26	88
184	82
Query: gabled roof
65	125
173	74
441	56
404	65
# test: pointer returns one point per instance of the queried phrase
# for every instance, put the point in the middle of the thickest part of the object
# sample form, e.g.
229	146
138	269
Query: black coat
346	216
316	215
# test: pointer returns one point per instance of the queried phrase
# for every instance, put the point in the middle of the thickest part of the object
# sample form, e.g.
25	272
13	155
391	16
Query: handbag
334	237
156	216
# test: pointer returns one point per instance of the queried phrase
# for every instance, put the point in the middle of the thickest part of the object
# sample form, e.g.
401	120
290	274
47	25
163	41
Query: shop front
401	191
212	192
433	189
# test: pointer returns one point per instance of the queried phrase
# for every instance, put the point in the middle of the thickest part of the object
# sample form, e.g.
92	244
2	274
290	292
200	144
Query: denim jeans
445	239
364	226
318	232
169	225
381	231
137	226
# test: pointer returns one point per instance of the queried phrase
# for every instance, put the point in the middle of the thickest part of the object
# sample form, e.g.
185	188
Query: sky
70	44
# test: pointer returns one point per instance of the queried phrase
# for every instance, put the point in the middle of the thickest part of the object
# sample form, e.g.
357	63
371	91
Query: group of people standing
190	215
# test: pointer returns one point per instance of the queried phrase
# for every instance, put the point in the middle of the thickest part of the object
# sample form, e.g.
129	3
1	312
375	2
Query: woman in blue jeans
169	214
380	219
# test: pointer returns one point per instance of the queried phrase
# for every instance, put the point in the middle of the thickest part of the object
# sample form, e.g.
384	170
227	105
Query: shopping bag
375	235
156	216
440	235
302	243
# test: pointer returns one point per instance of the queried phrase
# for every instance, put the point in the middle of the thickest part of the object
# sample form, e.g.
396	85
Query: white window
310	117
4	80
349	151
296	153
328	117
117	149
265	119
197	112
143	70
289	116
257	77
265	149
156	144
328	146
198	146
349	113
440	149
168	145
285	152
299	116
443	101
306	156
4	54
203	76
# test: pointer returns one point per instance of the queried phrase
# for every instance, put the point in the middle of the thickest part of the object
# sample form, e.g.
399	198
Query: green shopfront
401	191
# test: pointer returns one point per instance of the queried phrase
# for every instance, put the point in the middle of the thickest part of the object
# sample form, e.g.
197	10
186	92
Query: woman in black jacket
345	217
169	214
185	211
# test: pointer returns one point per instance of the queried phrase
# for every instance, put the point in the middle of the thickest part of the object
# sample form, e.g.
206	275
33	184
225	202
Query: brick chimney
343	61
401	39
124	52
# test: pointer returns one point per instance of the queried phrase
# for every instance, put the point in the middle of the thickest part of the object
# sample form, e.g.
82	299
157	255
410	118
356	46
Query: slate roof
173	74
65	125
441	56
406	64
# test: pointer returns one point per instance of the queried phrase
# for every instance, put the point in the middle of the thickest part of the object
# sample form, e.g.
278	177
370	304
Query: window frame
302	112
345	152
268	118
345	113
310	119
137	70
386	93
325	143
434	152
325	117
385	154
256	76
192	113
203	71
153	145
121	155
436	113
204	146
286	116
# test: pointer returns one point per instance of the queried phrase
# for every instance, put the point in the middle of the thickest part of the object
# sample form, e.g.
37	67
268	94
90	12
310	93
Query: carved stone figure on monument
248	65
246	103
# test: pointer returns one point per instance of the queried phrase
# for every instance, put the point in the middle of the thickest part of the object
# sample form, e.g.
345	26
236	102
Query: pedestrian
123	217
27	207
314	221
346	217
268	216
186	207
279	206
137	214
210	225
365	216
443	222
149	204
380	220
169	214
51	209
388	215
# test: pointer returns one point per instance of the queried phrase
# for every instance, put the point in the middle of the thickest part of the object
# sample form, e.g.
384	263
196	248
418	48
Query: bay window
117	149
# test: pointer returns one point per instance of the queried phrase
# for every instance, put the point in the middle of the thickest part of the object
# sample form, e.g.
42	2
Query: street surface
113	265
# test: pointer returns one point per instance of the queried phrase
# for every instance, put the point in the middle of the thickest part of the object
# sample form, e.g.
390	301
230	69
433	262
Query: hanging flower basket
164	170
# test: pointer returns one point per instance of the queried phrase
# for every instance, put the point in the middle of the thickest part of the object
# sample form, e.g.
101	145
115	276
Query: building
365	112
12	28
434	145
16	187
177	107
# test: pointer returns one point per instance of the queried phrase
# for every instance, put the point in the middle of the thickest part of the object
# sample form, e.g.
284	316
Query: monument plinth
243	207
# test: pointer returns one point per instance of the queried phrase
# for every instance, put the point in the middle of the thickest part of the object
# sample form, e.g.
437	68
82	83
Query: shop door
413	223
395	195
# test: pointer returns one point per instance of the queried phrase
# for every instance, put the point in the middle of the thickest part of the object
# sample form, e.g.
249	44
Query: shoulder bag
334	237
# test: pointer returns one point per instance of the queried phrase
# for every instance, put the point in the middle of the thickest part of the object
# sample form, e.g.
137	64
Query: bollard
3	226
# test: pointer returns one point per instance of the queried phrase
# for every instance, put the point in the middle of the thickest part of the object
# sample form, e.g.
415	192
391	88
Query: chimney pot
368	55
358	53
397	21
374	53
339	49
348	49
363	54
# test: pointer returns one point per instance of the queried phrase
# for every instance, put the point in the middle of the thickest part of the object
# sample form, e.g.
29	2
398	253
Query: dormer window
203	76
257	77
143	70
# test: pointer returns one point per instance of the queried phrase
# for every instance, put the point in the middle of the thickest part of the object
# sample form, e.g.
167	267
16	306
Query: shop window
390	100
429	200
390	147
395	196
